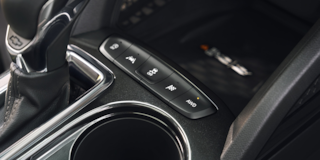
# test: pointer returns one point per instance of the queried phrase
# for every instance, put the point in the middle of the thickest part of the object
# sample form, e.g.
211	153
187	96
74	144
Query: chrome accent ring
187	151
183	141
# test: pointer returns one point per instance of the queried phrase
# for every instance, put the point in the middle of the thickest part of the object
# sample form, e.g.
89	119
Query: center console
140	106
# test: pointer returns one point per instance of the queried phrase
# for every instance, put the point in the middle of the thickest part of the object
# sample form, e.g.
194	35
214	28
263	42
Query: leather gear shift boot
33	97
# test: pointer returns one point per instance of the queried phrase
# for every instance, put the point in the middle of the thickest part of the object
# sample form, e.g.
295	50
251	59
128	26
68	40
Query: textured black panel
252	39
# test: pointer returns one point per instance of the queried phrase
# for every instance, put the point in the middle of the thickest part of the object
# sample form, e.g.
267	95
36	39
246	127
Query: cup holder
130	133
128	138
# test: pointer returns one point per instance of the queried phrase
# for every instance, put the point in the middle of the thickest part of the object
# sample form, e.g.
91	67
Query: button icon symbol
171	88
15	41
152	72
191	103
131	59
114	46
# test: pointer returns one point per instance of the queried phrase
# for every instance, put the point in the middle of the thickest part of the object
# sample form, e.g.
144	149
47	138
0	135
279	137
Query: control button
114	46
171	87
193	104
132	58
153	71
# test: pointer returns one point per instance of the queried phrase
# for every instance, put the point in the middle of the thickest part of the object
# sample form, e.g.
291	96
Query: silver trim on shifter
4	80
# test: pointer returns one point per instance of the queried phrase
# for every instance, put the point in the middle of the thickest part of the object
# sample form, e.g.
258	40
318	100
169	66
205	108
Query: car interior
159	79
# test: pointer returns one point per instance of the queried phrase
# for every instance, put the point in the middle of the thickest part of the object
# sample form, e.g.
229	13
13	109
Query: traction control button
115	46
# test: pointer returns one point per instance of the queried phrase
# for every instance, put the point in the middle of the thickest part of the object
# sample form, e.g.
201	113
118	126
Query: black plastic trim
255	124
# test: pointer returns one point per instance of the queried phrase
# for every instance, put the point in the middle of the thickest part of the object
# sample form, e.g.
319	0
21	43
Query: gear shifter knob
39	30
23	15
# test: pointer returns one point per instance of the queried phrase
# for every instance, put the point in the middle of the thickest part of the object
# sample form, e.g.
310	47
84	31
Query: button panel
158	77
171	87
132	58
114	46
153	71
193	104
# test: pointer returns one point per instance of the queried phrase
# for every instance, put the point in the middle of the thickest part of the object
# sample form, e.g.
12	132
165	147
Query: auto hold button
193	104
132	58
153	71
114	46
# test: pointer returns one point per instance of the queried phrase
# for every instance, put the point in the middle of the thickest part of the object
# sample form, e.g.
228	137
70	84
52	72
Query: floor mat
255	41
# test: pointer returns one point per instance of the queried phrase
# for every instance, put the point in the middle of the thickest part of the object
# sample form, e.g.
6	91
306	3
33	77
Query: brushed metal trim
4	80
60	145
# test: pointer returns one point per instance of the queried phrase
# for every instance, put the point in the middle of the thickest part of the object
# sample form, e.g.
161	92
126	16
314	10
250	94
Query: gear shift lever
37	38
39	30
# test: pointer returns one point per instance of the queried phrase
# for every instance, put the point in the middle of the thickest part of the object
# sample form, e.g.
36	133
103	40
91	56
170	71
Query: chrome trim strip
13	51
86	127
104	51
106	107
91	73
22	63
164	113
178	143
4	80
106	79
106	54
45	12
52	137
60	145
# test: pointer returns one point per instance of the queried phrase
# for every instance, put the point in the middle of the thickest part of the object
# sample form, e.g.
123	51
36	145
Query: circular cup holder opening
127	138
